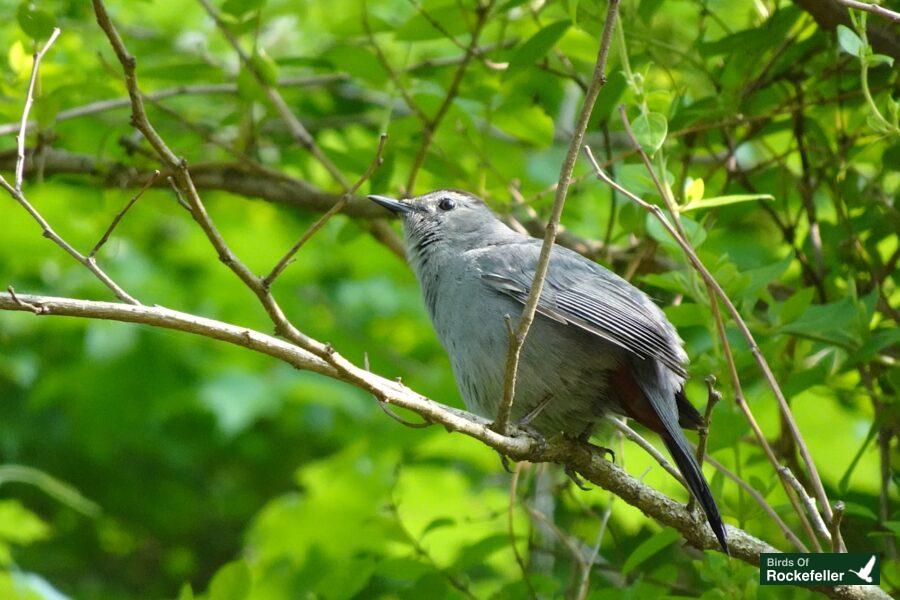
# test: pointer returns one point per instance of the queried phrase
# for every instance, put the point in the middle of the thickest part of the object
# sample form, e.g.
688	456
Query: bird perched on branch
598	344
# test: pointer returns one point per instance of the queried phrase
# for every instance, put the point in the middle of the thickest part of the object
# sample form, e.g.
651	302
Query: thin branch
434	122
712	398
288	257
810	504
102	106
29	100
565	176
767	508
837	542
873	8
649	448
105	237
513	496
585	458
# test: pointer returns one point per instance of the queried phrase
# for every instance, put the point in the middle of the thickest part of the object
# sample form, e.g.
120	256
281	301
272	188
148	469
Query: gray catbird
597	344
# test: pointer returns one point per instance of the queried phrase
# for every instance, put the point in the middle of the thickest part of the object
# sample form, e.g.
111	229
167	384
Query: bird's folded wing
585	295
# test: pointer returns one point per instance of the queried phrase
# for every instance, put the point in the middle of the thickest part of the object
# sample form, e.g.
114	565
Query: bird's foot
571	474
607	451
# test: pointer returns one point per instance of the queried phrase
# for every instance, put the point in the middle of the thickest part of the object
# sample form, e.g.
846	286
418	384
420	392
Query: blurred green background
203	468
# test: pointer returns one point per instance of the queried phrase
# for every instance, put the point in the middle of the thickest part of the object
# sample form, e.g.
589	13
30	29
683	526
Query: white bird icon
866	572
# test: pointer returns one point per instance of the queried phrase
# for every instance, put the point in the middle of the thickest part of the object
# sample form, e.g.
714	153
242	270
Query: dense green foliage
205	465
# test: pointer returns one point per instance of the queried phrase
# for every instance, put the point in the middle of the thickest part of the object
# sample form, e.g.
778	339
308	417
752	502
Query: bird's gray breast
558	362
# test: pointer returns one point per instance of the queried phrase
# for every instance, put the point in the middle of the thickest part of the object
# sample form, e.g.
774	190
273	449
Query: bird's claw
571	474
607	451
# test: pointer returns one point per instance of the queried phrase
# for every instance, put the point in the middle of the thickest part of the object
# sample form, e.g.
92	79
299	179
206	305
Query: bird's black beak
395	206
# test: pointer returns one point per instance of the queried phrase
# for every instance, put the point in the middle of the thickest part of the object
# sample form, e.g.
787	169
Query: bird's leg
585	437
534	412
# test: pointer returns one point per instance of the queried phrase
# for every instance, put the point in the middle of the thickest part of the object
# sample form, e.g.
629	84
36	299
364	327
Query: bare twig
102	106
105	237
712	398
810	504
36	309
565	176
16	190
873	8
837	542
649	448
29	100
320	222
767	508
513	497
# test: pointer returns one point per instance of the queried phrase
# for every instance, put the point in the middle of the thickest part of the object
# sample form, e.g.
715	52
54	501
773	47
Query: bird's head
445	221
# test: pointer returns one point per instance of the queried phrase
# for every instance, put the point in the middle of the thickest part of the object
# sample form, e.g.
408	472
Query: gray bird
597	345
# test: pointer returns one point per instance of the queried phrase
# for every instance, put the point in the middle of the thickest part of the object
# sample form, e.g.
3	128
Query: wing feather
583	294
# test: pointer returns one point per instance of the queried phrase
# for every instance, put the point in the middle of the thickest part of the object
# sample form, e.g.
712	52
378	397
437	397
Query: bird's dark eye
447	204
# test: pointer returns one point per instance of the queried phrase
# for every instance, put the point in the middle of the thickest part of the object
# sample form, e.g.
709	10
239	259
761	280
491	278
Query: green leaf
438	524
36	23
880	59
650	130
239	8
694	191
19	525
849	41
265	66
723	201
231	582
648	548
537	46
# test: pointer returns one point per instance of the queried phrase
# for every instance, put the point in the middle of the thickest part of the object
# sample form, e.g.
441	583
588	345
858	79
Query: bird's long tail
680	450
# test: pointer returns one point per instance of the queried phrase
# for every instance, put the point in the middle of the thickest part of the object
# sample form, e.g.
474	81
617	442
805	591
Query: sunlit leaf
650	130
716	201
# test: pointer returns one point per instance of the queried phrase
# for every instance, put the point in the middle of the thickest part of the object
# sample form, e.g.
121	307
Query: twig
36	309
873	8
388	410
584	583
837	542
29	100
391	72
528	312
513	486
102	106
767	508
320	222
810	505
649	448
121	214
16	190
712	398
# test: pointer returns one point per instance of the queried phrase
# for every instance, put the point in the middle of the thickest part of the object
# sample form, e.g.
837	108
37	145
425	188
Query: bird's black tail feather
680	450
